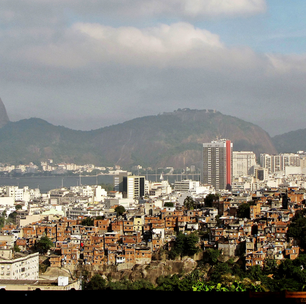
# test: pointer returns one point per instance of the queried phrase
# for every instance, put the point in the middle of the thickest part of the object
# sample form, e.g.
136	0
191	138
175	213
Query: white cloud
179	45
156	45
287	64
32	11
224	7
84	44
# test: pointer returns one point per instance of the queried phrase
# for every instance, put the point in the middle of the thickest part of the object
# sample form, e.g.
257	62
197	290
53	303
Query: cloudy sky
94	63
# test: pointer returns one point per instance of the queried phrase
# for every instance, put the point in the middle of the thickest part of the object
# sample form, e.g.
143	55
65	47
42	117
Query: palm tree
189	203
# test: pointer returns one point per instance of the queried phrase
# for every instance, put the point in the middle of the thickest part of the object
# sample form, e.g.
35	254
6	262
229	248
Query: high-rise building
118	180
133	186
279	162
218	164
244	163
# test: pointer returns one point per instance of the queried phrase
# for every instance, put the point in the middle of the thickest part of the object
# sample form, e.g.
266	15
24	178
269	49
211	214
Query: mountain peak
3	115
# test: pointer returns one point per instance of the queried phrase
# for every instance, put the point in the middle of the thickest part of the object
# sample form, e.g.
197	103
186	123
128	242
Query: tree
141	285
244	210
16	248
189	203
168	204
219	222
190	248
88	221
178	246
119	210
100	217
12	217
270	266
185	245
218	270
212	255
297	228
44	244
210	198
96	283
2	221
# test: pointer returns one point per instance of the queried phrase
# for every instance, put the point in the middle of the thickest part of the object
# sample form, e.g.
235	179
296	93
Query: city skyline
86	65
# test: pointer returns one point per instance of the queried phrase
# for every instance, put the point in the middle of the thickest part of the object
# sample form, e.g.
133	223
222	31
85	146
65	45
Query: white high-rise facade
279	162
218	164
243	163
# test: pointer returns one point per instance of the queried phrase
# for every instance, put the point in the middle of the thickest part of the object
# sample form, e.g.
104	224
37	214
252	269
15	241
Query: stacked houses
139	234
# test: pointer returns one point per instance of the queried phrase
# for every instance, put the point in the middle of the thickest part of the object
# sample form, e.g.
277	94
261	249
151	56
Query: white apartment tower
279	162
243	163
133	186
218	164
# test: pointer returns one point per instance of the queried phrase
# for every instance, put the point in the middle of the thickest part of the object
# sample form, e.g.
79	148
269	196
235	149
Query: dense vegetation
297	228
222	276
185	245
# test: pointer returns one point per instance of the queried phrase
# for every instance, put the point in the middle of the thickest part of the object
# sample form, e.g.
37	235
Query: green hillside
170	139
290	142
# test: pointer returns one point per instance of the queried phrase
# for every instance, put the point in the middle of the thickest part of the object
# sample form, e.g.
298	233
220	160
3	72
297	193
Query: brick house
128	226
22	244
29	231
110	239
292	252
129	253
171	223
102	225
143	255
157	243
117	226
98	256
130	239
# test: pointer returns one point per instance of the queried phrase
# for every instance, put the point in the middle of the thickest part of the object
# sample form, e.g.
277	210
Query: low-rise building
20	267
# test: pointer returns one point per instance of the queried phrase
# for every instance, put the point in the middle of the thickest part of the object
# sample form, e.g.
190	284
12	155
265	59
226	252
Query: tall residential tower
218	164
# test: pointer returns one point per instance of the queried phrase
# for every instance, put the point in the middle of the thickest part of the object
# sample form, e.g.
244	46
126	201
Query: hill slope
170	139
3	115
290	142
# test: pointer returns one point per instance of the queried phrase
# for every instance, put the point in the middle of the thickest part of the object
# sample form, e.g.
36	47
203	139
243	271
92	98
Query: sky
95	63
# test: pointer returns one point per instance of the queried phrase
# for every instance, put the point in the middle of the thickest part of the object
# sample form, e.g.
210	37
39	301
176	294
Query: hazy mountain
3	115
169	139
290	142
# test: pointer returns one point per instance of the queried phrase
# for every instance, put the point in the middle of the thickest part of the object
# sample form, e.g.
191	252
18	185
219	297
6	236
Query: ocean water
46	183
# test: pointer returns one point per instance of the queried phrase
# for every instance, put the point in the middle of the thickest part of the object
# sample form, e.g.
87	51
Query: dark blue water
46	183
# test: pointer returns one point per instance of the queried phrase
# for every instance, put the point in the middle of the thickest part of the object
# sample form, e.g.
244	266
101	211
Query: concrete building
243	163
118	180
185	185
22	267
156	189
279	162
133	186
218	164
95	192
261	174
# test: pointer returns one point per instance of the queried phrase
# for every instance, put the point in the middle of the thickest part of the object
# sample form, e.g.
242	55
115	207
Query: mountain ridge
290	142
167	139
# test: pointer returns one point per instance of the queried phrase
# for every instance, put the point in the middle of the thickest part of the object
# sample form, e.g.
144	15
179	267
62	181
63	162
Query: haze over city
90	64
